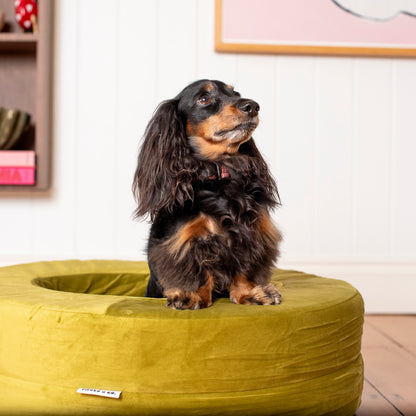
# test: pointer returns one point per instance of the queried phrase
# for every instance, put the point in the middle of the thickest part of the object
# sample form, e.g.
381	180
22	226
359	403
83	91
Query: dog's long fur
211	232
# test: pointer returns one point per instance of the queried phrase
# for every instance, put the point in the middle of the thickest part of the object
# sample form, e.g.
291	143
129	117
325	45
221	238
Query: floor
389	352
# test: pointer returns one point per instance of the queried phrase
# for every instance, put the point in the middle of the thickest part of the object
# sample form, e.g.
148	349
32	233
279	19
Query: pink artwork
343	27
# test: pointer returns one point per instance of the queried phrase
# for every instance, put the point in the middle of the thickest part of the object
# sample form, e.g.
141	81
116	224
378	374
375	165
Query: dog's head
207	123
217	120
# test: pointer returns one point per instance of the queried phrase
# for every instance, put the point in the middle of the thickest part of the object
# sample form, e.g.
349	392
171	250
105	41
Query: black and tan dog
209	193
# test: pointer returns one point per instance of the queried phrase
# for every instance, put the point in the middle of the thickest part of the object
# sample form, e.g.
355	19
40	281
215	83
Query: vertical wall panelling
16	227
293	161
371	155
333	176
136	96
404	166
54	213
96	180
177	43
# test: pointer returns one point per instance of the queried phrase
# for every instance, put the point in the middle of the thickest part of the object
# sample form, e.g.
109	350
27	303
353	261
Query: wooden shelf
18	42
17	37
26	84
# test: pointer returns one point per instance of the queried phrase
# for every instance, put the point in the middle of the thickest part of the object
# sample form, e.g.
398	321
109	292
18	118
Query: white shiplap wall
338	133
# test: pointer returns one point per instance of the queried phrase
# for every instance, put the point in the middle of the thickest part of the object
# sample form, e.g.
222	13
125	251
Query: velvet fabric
71	324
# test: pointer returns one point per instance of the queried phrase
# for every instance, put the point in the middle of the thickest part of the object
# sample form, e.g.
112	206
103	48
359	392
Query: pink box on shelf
17	175
17	167
26	158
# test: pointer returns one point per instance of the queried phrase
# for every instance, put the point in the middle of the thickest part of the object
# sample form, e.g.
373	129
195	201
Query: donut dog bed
85	324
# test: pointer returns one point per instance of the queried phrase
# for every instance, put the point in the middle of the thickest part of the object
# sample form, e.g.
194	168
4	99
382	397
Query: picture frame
318	27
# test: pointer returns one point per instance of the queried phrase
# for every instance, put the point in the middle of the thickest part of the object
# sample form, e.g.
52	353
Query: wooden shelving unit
26	84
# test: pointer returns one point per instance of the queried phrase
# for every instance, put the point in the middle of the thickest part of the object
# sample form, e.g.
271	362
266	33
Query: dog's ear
260	171
164	173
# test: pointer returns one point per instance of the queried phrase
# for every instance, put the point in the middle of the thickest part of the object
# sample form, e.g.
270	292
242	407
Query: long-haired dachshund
208	192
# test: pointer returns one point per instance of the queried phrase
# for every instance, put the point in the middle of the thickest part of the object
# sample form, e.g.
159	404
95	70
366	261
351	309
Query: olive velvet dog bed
67	325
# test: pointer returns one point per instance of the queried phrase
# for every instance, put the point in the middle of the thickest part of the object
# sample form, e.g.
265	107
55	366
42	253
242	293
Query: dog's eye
204	100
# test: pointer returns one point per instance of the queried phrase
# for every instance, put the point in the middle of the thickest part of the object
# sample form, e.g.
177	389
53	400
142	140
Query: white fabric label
103	393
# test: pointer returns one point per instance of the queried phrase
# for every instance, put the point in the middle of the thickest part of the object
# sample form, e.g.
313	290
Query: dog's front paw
271	294
258	295
179	299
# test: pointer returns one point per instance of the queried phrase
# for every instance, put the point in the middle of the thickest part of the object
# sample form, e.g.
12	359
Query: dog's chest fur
230	227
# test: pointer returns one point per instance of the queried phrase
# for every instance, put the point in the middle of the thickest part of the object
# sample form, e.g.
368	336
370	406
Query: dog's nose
249	107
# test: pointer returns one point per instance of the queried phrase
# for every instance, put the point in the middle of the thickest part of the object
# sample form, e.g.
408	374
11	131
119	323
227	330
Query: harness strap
222	173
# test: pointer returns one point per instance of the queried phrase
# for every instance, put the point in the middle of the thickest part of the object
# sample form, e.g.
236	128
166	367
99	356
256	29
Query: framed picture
317	27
